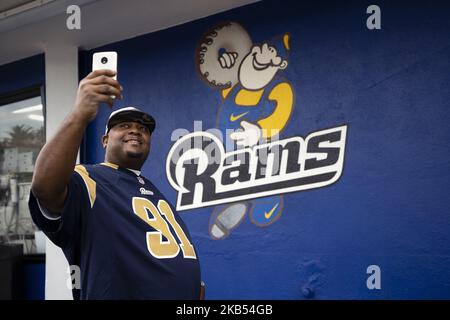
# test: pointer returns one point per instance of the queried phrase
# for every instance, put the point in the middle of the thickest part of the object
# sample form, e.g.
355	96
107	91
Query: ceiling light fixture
22	8
29	109
36	117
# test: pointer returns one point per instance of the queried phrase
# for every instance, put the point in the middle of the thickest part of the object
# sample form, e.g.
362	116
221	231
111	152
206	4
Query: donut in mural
220	53
256	105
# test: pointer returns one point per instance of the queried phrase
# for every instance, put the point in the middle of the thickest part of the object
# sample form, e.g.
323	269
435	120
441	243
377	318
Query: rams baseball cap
130	114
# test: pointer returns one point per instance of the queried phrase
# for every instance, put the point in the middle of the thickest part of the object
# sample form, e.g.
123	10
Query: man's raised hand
97	87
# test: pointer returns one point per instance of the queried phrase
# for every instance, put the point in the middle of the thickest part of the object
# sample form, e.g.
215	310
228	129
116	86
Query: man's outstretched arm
56	161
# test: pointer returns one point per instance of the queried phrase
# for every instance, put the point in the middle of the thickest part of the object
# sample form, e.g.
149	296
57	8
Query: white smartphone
105	60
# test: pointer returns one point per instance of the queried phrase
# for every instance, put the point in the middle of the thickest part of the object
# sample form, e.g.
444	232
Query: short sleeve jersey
125	237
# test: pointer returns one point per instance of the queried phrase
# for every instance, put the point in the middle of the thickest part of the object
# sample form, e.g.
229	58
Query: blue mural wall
390	208
22	74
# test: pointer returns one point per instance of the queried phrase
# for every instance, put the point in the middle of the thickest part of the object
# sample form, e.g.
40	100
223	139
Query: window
22	135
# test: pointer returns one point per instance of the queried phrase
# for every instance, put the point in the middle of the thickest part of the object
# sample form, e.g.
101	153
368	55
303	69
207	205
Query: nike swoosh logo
234	118
269	214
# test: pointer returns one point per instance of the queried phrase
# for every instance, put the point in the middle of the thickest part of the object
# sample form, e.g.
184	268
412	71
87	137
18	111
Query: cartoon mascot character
256	106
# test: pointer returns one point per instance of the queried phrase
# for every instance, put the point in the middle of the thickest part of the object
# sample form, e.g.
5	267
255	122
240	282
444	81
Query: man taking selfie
109	220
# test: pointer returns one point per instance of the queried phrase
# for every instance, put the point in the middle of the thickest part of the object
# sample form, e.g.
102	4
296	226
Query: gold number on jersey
185	245
157	246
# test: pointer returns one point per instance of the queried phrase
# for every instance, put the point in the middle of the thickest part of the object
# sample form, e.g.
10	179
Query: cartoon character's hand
227	59
247	137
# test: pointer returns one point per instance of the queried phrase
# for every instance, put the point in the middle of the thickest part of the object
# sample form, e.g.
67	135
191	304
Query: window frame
33	91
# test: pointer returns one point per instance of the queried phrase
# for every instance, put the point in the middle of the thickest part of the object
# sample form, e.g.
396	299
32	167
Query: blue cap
130	114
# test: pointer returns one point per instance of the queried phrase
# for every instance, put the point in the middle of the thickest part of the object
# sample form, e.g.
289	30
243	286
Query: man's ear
104	141
283	65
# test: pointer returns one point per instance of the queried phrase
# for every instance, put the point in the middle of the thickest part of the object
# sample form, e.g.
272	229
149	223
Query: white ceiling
31	11
102	22
8	4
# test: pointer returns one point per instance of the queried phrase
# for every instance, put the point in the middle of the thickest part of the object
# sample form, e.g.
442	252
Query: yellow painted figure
257	105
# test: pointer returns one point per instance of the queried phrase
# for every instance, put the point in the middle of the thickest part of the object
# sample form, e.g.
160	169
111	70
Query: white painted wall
61	80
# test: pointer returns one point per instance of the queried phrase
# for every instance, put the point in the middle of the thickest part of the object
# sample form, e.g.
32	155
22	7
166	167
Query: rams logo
251	176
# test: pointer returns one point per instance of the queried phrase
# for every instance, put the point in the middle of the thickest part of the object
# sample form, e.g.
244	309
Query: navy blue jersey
127	240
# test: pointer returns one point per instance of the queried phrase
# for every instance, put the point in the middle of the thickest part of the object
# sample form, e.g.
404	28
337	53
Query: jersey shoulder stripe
88	181
111	165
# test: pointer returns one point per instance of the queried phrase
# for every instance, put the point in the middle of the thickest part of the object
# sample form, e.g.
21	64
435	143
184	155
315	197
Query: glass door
22	135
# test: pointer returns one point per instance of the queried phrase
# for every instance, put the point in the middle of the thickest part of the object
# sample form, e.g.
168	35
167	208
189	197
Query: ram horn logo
204	174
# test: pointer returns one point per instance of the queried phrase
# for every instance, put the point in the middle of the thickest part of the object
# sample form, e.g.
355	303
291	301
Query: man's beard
135	155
